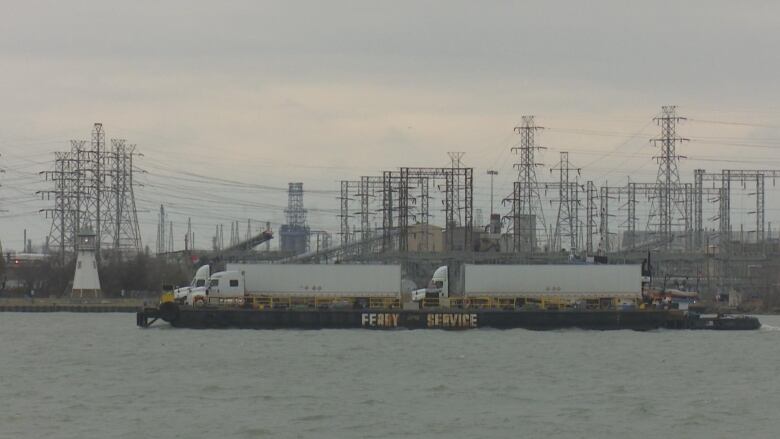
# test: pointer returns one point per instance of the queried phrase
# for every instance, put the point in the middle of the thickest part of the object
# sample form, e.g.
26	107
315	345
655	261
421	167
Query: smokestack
495	223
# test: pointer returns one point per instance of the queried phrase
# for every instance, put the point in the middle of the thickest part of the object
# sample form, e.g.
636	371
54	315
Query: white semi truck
572	282
198	284
538	281
302	280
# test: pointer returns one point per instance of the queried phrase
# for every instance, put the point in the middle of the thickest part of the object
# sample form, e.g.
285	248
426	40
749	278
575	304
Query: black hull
641	320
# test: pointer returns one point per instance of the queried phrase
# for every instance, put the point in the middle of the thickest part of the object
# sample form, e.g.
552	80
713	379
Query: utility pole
161	231
170	238
268	229
188	236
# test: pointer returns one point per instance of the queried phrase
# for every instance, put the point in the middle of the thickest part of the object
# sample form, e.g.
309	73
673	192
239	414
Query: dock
71	305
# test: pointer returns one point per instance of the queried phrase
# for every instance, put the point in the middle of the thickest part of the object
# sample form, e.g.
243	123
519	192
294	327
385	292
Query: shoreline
131	305
68	304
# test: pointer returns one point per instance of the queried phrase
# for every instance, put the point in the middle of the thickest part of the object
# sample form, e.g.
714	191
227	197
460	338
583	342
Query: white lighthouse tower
86	282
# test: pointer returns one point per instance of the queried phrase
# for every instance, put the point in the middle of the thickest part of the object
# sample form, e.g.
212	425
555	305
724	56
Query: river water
68	375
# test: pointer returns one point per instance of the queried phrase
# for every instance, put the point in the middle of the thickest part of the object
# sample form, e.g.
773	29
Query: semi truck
364	282
361	281
536	282
198	284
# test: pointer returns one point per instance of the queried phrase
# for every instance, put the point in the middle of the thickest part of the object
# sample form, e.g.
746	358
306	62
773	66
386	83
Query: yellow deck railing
551	302
470	302
310	302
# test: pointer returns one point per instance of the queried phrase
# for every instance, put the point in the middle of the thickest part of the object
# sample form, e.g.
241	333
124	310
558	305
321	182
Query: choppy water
98	376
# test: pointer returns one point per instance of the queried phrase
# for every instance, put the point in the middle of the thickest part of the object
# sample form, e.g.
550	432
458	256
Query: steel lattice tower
121	213
669	192
456	158
93	188
295	234
344	215
566	221
591	213
528	215
63	214
95	179
296	214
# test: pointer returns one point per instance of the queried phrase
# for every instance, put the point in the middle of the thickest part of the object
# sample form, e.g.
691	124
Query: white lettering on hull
379	320
458	320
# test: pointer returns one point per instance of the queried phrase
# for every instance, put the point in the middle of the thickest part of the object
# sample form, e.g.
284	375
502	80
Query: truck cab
437	288
226	284
222	284
198	284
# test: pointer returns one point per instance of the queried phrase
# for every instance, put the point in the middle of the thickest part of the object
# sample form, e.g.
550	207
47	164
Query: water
98	376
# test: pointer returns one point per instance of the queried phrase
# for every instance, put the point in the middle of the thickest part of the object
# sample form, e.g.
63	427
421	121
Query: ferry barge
257	315
537	297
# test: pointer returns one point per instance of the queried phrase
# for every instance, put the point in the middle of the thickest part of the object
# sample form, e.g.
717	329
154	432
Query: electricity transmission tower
591	213
93	188
121	222
456	161
566	222
669	197
527	216
63	213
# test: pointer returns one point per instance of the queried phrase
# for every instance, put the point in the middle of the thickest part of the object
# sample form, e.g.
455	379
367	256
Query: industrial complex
425	217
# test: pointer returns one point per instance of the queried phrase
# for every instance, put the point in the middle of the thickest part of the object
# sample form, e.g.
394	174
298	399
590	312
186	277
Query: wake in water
769	328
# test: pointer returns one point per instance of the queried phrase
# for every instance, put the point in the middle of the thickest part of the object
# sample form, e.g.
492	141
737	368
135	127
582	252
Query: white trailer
357	280
572	281
538	281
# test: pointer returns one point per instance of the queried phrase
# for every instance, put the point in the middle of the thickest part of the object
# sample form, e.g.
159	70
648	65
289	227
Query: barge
272	296
250	316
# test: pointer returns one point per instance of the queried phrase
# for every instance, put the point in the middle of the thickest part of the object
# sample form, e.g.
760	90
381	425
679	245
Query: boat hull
641	320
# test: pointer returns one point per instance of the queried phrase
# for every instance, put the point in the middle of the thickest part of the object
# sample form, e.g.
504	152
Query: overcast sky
272	92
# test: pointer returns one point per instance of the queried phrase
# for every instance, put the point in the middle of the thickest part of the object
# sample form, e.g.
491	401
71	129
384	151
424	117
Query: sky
265	93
